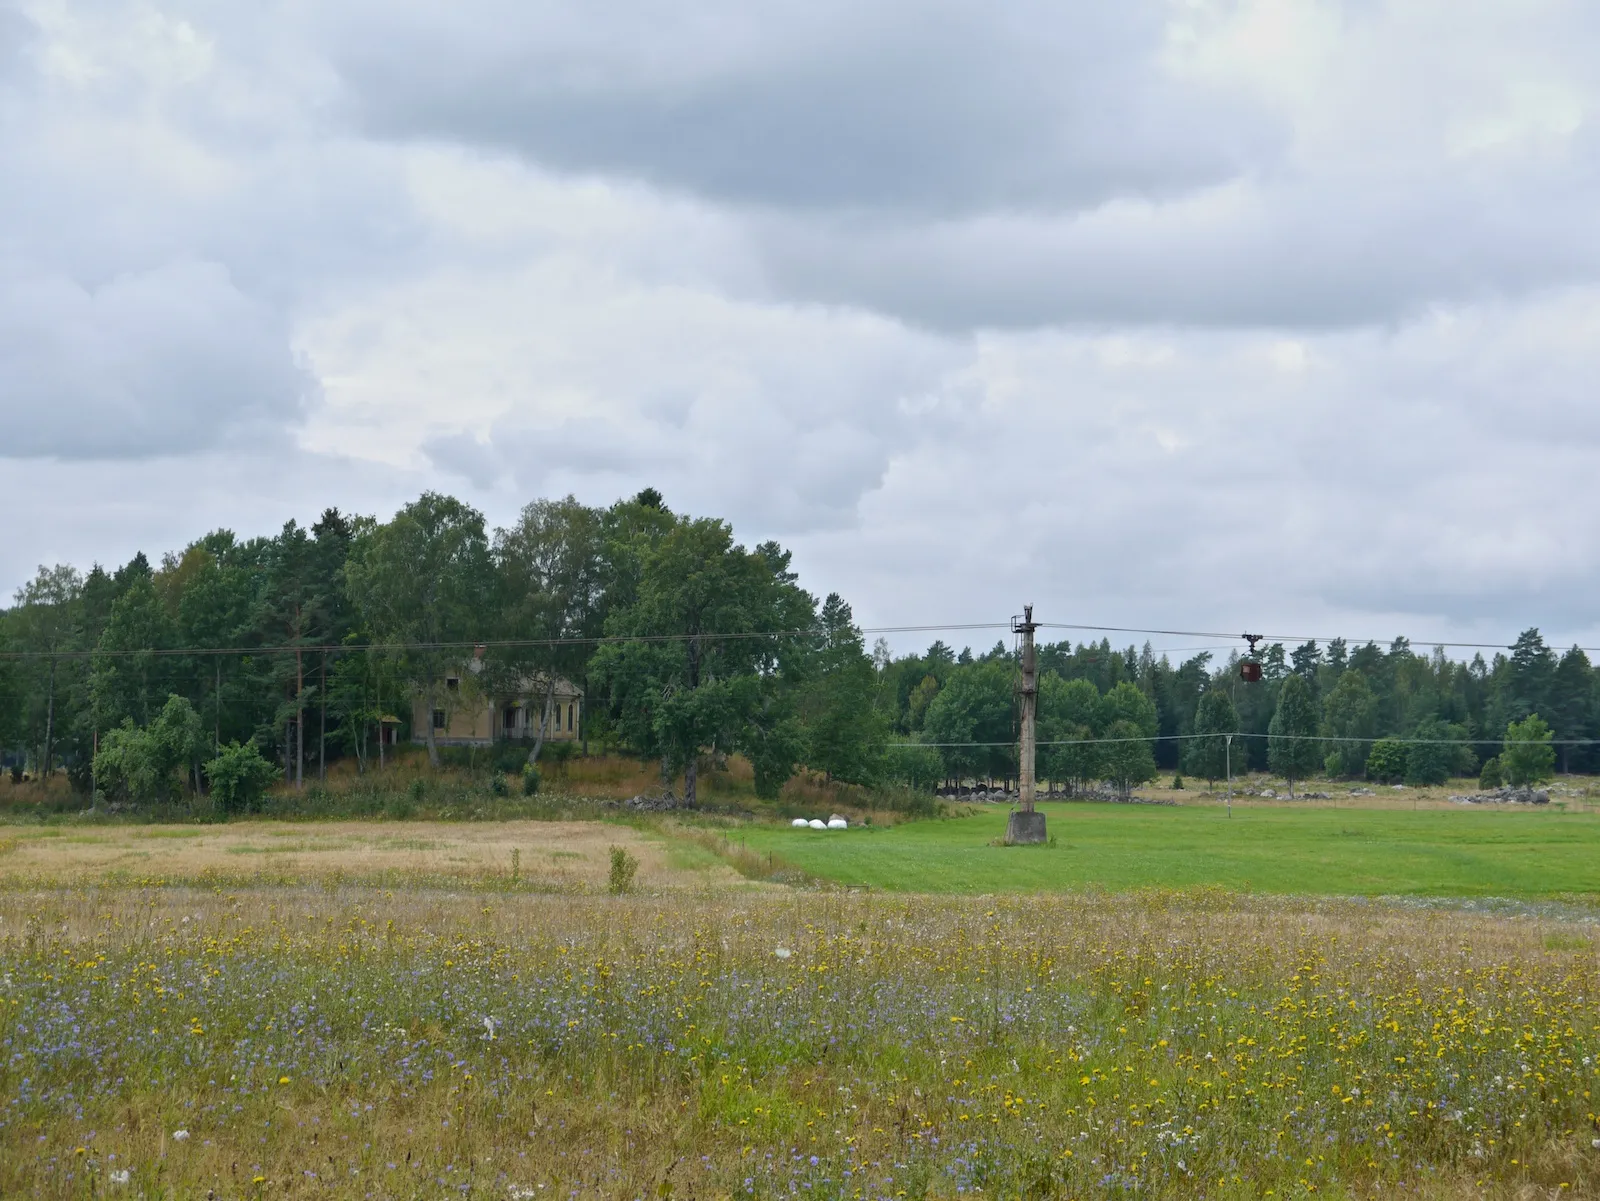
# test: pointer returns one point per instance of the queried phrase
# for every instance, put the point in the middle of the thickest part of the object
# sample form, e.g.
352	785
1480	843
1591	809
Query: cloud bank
1201	313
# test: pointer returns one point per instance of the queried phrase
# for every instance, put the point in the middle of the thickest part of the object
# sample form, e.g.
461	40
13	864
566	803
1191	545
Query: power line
306	648
600	640
1244	734
1287	638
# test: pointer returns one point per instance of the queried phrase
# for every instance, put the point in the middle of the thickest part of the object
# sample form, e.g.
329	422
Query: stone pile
648	803
1505	796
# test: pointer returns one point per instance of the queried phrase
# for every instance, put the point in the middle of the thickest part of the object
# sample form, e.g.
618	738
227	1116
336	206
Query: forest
237	663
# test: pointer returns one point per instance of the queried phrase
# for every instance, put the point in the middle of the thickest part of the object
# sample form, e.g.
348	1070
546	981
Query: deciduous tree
421	582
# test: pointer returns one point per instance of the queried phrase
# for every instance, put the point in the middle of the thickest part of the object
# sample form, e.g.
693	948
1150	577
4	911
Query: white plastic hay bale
838	823
800	823
817	823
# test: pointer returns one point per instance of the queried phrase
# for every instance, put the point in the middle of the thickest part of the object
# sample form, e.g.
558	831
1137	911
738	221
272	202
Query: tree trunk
216	711
322	731
49	722
299	722
544	720
433	743
689	773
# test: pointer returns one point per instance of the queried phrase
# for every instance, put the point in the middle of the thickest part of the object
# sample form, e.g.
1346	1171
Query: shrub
623	868
498	785
1177	782
1386	762
530	780
509	757
1491	776
559	752
239	777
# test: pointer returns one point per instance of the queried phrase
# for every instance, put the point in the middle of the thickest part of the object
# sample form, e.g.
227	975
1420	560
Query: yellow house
465	714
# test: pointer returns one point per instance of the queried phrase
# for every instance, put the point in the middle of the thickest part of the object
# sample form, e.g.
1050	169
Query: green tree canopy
1068	711
1293	750
550	584
151	762
975	706
1350	712
844	733
1386	761
239	777
45	623
421	583
1207	754
1126	755
1527	757
1438	751
697	679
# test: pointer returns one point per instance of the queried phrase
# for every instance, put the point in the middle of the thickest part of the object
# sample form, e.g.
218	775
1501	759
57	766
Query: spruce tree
1207	754
1293	750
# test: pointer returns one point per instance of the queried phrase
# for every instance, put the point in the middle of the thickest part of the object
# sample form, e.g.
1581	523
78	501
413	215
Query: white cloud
1200	311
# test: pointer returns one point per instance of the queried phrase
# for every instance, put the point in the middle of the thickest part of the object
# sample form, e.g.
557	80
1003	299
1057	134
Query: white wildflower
179	1136
781	952
489	1025
121	1176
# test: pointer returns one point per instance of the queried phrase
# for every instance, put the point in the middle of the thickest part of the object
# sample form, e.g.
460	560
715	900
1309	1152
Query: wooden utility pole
1026	824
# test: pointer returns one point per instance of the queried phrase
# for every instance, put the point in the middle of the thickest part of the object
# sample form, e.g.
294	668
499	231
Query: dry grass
542	856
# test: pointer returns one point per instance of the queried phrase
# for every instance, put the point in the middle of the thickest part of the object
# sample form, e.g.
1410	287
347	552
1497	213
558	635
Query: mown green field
1344	851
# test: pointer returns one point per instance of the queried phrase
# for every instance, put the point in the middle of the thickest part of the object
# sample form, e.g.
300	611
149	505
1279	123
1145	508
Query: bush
498	785
1491	776
1177	782
559	752
239	777
530	780
509	757
623	868
1386	762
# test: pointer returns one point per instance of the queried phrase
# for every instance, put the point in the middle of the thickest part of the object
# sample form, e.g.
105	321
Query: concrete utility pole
1026	824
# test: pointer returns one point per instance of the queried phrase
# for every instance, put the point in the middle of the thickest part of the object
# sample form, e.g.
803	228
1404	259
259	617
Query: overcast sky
1200	314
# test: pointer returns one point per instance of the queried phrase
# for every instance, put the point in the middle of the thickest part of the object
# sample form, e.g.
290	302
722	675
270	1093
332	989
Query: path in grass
1520	853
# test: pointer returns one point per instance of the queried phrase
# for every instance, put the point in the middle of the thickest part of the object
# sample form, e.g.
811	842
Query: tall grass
416	1044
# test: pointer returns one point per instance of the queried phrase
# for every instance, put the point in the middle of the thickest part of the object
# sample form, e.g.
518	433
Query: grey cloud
1278	254
162	362
463	455
941	107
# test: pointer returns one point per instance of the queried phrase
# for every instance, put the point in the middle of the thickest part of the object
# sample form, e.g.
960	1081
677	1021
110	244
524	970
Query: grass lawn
1277	849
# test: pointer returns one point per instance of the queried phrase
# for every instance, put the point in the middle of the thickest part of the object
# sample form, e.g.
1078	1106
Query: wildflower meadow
357	1042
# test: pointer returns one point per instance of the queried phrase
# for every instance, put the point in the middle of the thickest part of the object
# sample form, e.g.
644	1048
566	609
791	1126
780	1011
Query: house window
438	719
510	717
453	683
569	718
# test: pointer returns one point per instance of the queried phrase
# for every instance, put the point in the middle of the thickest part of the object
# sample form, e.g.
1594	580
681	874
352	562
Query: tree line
1385	713
296	648
236	661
